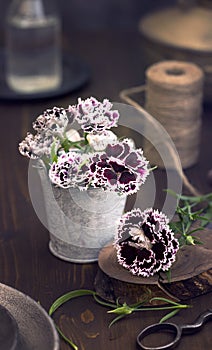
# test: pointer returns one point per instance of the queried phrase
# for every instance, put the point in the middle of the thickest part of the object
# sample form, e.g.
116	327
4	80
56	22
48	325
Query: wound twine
174	92
125	95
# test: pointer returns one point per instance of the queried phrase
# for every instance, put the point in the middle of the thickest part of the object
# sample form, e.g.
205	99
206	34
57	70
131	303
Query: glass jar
33	52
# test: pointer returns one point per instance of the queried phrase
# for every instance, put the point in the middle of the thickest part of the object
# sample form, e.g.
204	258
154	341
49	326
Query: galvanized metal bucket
80	223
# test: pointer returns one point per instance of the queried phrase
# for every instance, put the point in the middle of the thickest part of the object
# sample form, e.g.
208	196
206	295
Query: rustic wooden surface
191	276
116	61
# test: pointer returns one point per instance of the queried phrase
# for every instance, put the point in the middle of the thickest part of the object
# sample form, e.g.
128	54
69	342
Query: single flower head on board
144	242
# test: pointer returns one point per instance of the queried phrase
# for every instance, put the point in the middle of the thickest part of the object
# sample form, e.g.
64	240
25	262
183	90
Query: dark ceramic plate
25	325
76	73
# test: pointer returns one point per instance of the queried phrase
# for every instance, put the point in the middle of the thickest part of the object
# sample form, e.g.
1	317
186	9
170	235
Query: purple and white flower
52	121
70	170
94	117
50	127
145	243
119	169
95	159
36	146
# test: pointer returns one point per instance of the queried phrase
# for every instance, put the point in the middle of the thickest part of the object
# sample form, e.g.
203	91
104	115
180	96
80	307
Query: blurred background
111	22
88	25
100	14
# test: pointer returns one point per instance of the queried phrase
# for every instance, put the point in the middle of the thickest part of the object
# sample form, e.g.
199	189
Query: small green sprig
122	310
125	310
188	214
66	145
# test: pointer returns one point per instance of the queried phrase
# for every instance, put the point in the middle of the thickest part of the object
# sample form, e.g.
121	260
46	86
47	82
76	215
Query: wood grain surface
116	62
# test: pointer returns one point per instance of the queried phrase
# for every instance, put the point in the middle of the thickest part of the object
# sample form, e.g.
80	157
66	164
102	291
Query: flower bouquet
85	175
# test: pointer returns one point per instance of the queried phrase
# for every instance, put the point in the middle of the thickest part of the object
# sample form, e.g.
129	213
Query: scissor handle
174	329
194	327
158	327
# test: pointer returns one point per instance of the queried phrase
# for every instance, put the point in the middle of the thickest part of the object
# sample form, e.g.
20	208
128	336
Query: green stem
165	300
104	303
116	319
74	346
163	308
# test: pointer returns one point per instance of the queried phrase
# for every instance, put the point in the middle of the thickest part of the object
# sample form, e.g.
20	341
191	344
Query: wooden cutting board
191	275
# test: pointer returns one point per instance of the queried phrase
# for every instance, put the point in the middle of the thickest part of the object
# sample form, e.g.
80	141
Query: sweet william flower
69	170
133	158
112	170
53	121
50	126
36	146
115	169
96	158
93	116
145	243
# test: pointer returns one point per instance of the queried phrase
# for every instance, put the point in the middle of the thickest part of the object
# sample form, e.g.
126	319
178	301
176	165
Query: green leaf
85	134
140	303
192	199
116	319
74	346
169	315
67	144
197	241
101	302
187	216
68	296
174	194
196	230
53	154
165	300
153	168
175	226
207	217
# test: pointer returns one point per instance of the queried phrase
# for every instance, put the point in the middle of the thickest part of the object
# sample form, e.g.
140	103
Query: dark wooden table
116	62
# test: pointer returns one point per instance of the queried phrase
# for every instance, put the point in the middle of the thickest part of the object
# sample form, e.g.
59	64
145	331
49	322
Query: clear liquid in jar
33	54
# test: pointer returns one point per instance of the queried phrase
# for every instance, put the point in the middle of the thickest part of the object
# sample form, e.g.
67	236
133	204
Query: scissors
176	330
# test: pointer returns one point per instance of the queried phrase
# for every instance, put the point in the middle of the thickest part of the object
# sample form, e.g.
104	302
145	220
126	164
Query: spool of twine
174	91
